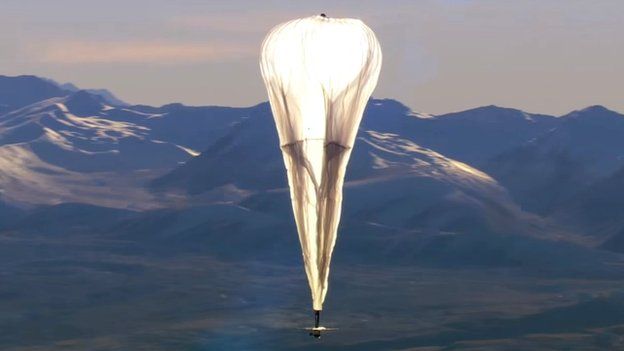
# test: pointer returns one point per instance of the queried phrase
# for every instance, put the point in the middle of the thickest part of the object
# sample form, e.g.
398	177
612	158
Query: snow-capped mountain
392	182
546	171
446	173
79	148
253	144
75	133
105	94
16	92
472	136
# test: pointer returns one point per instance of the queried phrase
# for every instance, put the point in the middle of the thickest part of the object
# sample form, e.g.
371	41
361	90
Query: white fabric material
319	73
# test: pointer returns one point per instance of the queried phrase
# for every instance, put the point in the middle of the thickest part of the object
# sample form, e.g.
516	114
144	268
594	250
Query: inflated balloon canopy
319	73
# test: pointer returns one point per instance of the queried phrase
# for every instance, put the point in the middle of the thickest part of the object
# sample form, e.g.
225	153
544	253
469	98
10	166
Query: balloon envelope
319	73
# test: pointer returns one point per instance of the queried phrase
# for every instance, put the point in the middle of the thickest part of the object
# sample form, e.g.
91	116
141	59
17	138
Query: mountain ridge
79	148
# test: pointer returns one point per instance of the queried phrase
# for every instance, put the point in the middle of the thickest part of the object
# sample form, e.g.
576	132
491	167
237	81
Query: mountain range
488	166
489	187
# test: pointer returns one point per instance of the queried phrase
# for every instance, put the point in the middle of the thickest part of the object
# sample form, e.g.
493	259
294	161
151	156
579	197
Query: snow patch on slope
25	179
391	152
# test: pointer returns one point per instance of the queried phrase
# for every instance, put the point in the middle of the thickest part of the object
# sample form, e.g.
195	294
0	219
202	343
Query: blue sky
548	56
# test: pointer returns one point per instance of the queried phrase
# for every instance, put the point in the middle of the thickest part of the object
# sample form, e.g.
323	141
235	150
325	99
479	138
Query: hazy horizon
439	55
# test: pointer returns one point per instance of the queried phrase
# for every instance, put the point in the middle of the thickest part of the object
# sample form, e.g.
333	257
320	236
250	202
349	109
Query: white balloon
319	73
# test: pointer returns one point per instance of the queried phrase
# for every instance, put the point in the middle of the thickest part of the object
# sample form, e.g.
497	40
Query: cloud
253	22
140	52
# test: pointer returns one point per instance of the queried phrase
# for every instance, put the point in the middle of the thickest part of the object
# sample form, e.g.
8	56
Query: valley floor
79	293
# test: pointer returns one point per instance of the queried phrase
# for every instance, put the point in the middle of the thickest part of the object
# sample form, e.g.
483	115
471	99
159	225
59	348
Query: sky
546	56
